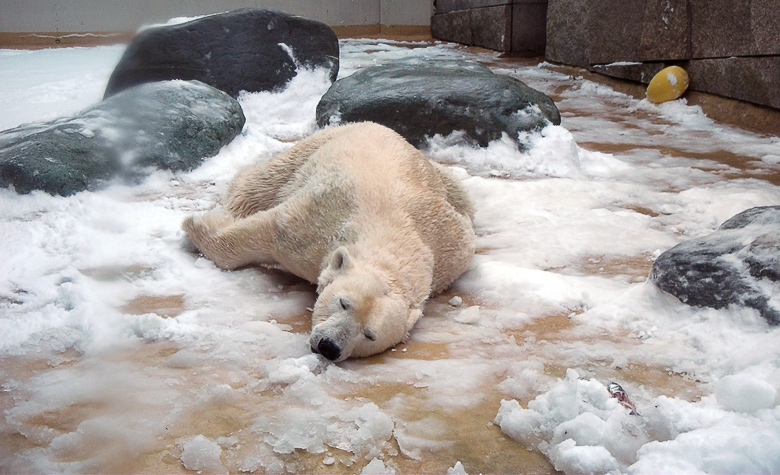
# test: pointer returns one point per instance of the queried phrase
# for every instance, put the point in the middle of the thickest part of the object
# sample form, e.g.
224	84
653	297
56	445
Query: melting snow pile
584	430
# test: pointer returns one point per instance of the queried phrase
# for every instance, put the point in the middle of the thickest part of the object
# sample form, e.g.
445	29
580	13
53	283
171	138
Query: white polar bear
358	211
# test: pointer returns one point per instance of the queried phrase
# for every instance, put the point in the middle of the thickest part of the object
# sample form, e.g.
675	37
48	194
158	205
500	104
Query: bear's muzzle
327	348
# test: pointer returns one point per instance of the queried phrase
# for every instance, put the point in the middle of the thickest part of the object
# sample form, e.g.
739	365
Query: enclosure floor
466	434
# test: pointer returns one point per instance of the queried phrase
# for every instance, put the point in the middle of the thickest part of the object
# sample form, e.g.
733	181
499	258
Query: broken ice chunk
468	315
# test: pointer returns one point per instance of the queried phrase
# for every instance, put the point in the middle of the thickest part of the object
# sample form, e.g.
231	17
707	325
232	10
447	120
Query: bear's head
357	313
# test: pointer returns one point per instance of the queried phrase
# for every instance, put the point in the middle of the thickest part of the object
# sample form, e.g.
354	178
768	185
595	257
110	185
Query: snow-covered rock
739	264
171	125
419	99
249	49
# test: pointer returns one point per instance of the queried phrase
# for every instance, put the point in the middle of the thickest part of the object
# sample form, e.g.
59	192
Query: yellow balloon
669	84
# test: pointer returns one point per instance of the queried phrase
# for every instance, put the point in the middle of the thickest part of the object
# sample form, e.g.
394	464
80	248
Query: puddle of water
467	435
298	323
562	329
636	268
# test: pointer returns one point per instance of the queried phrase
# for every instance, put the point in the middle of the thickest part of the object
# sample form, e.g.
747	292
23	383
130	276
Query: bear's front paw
205	229
195	233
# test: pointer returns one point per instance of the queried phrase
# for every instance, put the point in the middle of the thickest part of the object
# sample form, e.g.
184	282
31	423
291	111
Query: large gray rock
249	49
420	99
739	264
171	125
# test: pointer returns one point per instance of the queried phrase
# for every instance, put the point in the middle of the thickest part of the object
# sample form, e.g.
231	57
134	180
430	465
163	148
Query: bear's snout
327	348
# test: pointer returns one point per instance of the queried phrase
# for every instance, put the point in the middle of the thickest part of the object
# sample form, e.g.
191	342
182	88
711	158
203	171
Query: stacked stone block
729	47
516	26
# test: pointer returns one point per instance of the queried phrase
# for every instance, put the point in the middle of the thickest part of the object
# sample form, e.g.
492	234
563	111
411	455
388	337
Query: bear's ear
340	260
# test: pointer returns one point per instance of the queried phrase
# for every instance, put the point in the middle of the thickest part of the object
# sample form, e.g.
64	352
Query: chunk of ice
468	315
377	467
202	454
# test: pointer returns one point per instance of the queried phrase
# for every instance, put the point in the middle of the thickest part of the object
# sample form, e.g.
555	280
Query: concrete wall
75	16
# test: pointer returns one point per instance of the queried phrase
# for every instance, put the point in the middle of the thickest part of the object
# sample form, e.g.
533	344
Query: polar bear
357	211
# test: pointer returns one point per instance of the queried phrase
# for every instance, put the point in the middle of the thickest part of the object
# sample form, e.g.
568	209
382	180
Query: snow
671	78
745	393
123	351
201	454
468	315
377	467
577	425
457	469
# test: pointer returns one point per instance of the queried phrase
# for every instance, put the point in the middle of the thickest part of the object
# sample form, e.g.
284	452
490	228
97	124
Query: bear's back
379	164
390	176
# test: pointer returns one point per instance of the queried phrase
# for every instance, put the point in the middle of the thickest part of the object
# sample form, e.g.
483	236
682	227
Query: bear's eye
344	304
369	334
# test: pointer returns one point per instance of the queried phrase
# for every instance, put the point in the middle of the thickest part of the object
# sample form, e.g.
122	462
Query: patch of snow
201	454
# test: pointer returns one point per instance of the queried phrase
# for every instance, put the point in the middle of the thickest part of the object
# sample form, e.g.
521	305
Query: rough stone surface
765	18
739	264
170	125
249	49
615	32
529	27
720	29
446	6
633	71
732	47
753	79
666	31
419	99
502	25
486	27
568	33
490	27
453	26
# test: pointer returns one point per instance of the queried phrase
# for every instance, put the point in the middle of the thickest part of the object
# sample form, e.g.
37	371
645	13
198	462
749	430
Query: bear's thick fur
358	211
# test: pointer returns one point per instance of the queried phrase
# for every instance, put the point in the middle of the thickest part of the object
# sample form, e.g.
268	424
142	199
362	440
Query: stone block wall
504	25
729	47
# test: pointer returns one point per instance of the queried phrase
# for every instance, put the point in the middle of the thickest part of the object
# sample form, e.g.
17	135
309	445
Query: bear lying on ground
358	211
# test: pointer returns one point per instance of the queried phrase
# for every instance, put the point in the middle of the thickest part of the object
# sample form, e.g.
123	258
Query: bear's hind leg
252	190
258	187
232	243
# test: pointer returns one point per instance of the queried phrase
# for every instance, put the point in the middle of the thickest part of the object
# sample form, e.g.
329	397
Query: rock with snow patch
172	125
249	49
739	264
420	98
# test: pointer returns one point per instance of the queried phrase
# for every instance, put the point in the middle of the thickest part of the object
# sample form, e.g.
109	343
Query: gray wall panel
129	15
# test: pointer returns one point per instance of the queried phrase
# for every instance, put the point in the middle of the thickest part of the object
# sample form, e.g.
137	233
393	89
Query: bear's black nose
329	349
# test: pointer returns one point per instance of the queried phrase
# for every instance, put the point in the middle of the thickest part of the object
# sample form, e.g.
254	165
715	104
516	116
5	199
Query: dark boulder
421	98
739	264
171	125
250	49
